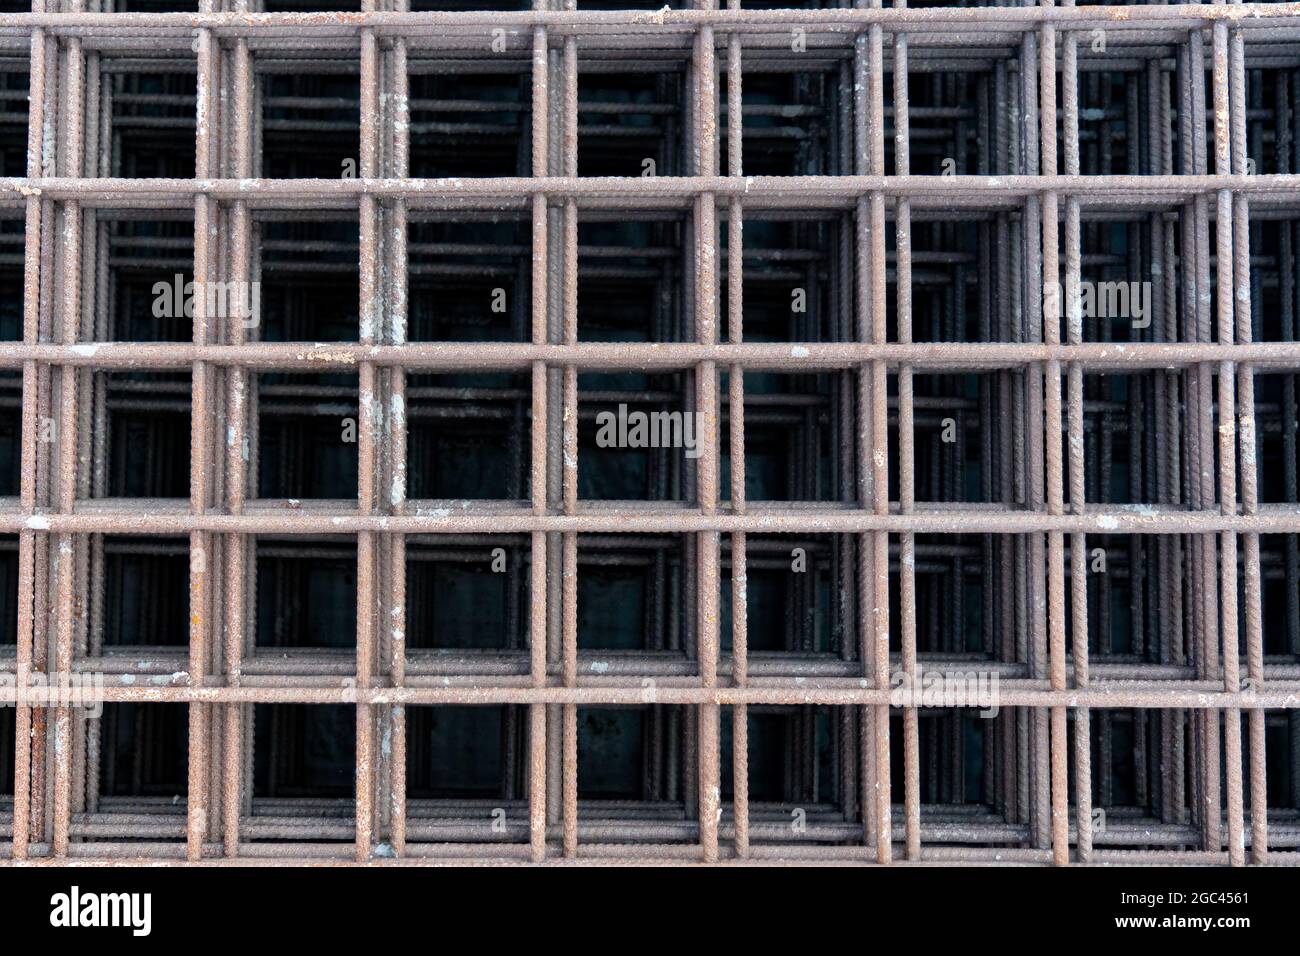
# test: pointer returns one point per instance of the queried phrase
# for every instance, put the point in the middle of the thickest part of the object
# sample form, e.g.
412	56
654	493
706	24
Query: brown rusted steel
987	479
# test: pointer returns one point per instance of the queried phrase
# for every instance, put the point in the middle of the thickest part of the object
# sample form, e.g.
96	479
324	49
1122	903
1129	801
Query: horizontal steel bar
122	516
1246	16
800	691
1159	191
793	357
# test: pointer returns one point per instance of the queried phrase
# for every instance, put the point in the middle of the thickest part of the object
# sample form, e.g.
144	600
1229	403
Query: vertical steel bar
398	418
877	434
570	448
736	447
370	417
1052	448
1243	307
28	543
906	459
236	572
537	628
705	264
201	447
1227	434
1075	426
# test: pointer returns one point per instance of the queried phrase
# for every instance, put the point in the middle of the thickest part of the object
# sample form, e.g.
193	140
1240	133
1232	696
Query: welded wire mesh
987	320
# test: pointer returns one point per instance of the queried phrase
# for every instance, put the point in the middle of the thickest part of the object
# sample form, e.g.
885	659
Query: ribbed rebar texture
702	435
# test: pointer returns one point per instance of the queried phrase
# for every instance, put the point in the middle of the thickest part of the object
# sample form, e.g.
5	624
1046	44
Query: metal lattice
924	457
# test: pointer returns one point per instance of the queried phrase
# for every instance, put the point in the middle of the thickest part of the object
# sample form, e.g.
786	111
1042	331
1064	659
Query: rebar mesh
988	316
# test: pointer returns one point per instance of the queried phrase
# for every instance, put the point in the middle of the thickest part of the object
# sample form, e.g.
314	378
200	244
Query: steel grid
928	294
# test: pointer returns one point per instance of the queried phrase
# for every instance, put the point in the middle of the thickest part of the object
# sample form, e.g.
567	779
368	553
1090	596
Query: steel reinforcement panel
985	546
